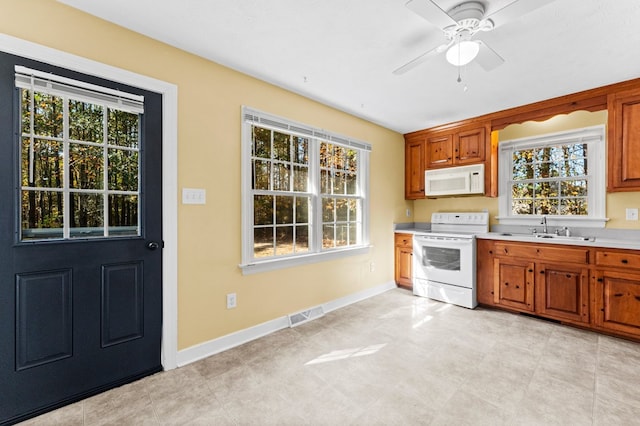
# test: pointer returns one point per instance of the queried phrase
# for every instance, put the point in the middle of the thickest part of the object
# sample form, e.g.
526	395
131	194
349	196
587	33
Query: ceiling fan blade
515	10
431	12
487	57
420	59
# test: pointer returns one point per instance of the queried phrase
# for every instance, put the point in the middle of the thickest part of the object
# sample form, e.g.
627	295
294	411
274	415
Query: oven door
448	260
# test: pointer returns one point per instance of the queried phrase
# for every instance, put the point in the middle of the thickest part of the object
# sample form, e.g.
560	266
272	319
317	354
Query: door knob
153	245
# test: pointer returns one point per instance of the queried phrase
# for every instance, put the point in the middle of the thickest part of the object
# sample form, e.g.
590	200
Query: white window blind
52	84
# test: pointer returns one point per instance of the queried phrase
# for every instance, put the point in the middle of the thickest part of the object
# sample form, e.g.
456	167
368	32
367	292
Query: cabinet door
513	283
618	301
414	169
562	292
624	155
484	271
404	258
439	151
470	146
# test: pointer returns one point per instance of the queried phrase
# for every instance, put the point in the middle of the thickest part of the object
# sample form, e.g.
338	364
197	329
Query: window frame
595	137
316	136
68	91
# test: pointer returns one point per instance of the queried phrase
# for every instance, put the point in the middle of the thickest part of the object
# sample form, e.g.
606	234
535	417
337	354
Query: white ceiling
342	52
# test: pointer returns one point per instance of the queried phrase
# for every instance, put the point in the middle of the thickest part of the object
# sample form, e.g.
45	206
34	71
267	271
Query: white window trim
250	265
597	193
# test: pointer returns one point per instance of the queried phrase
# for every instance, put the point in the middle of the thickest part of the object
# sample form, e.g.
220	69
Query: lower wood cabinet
404	260
563	291
513	283
595	288
618	301
484	271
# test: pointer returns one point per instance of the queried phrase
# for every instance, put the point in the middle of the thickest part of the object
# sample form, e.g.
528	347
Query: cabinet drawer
536	251
619	259
404	240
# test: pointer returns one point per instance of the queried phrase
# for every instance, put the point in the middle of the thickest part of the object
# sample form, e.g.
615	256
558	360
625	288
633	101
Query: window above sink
556	176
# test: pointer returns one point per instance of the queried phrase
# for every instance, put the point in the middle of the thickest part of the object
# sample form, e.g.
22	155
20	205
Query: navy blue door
81	241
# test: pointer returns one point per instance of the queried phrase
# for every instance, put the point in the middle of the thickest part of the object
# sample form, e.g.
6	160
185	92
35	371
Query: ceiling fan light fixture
462	53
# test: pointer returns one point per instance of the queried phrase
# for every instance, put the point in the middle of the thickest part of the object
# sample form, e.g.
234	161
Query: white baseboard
212	347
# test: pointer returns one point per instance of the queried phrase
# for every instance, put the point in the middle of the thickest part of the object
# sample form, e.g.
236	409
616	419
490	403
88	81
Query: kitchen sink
551	237
564	237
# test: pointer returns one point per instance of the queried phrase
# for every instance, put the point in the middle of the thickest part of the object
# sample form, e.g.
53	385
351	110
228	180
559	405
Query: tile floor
390	360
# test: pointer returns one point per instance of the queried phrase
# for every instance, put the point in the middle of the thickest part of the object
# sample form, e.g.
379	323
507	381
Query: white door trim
169	93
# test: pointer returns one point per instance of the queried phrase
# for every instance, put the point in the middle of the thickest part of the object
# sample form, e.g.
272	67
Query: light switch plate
194	196
632	214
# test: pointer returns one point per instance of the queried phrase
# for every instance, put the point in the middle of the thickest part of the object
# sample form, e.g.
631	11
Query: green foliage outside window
551	180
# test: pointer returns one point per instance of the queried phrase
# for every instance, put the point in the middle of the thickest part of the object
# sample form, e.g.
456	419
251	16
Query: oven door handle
439	242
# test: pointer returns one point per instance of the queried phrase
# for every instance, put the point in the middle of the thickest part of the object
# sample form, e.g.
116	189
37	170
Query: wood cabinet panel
403	260
624	139
484	271
539	251
563	292
618	301
414	155
513	283
618	259
439	151
470	146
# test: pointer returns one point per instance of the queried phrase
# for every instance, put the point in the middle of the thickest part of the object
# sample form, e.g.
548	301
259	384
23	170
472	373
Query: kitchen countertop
596	242
530	238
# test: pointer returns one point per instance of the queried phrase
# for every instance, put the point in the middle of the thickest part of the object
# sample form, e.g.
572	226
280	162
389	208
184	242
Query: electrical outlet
408	212
231	301
632	214
372	267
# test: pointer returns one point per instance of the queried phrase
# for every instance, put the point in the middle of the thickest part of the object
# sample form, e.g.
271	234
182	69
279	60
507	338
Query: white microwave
461	180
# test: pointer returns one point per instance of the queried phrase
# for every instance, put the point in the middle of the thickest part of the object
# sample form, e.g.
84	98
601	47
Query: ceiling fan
461	24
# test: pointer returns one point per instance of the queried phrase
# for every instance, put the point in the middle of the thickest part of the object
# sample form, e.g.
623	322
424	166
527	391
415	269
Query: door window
79	159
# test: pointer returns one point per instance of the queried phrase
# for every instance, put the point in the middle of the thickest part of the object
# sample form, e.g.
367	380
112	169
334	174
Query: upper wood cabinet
470	146
456	148
414	154
447	148
624	140
439	150
474	140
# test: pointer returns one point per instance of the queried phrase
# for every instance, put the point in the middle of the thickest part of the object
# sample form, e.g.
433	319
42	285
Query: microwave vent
442	185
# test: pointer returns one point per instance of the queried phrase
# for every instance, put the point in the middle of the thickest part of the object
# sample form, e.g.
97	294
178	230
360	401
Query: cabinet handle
542	272
637	298
599	280
530	270
625	261
618	294
490	251
568	275
517	286
506	284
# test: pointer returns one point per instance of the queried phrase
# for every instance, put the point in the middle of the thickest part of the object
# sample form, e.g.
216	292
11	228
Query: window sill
287	262
584	222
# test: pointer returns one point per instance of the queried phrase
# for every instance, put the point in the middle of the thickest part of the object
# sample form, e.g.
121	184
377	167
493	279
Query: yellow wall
210	98
616	202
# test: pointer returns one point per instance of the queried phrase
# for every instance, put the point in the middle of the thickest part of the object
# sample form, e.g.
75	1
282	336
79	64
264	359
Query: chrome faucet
543	222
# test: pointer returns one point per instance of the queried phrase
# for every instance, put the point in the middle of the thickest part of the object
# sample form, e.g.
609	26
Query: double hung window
559	175
305	193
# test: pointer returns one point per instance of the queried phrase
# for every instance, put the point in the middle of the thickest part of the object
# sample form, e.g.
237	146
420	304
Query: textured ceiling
342	52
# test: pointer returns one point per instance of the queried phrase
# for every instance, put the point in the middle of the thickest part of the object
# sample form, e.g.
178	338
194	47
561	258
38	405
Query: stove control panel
466	218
